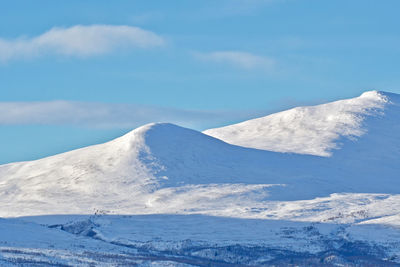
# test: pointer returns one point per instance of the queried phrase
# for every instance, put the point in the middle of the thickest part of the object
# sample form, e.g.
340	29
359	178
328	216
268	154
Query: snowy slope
343	171
314	130
29	244
161	167
192	240
123	173
358	137
162	161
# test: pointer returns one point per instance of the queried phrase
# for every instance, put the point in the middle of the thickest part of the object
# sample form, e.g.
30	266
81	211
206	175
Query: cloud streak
106	115
240	59
79	40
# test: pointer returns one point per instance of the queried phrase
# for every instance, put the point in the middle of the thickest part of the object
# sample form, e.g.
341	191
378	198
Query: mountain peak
160	127
382	96
373	94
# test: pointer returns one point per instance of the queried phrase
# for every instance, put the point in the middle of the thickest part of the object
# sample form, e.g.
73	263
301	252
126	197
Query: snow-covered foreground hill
308	185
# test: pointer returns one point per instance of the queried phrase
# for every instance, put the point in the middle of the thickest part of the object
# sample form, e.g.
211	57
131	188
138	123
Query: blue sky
75	73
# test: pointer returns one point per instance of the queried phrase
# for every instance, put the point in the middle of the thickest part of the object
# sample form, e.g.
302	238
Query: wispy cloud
111	115
79	40
237	58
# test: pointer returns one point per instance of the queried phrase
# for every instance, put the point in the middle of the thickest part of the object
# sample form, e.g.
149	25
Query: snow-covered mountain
316	130
336	165
124	175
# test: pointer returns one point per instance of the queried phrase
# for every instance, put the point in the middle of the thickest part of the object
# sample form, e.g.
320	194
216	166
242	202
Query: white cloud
240	59
105	115
79	40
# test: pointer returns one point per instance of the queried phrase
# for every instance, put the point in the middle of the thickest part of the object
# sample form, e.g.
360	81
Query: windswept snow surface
340	180
314	130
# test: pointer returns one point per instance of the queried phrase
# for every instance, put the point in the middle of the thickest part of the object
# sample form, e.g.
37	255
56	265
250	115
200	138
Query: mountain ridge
164	192
310	130
132	173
